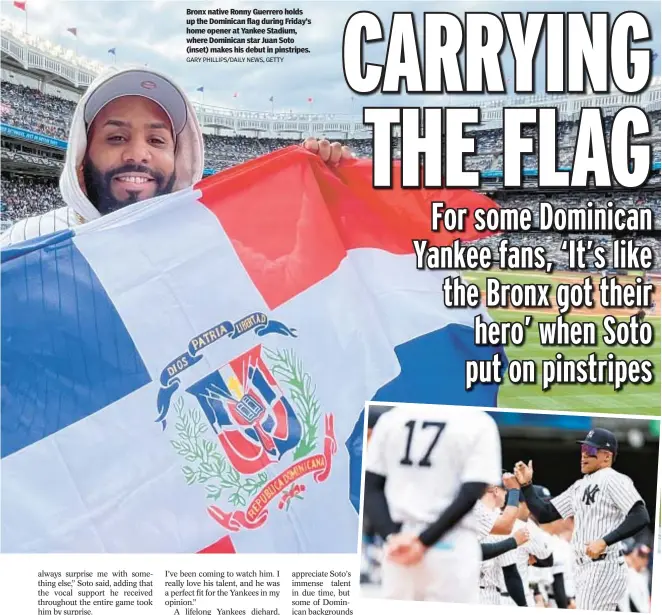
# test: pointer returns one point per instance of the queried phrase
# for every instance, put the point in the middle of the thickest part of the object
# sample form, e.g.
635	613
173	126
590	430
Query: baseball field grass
631	399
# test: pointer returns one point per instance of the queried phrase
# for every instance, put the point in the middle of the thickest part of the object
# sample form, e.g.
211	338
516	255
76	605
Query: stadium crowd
33	110
30	109
222	152
23	195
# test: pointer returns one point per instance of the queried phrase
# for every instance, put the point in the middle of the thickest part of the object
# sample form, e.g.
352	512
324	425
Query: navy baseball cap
542	492
601	439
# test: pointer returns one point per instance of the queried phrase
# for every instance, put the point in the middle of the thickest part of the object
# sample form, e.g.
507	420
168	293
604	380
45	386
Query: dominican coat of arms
252	430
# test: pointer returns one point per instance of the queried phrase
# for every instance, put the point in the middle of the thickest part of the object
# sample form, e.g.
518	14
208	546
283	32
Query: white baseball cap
139	83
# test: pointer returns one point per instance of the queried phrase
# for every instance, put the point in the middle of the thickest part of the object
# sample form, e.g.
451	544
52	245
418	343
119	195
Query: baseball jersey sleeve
622	491
14	234
538	545
482	462
564	502
375	458
507	558
485	519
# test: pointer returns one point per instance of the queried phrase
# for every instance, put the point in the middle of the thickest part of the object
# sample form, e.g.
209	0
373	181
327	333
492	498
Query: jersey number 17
413	426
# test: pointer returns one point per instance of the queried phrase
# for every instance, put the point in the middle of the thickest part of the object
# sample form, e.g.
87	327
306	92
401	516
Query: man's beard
98	185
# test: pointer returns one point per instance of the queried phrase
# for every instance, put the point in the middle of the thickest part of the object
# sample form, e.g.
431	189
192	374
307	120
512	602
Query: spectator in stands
25	196
134	136
33	110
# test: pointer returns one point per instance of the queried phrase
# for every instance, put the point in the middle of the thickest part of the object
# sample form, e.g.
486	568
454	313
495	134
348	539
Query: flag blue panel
432	373
65	351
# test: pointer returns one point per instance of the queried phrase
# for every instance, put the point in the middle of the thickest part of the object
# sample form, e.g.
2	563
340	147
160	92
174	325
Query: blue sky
153	32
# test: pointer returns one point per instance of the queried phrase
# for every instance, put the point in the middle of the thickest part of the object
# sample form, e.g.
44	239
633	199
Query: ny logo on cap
590	434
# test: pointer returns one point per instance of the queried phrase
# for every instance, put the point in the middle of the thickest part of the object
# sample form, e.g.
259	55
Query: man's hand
521	536
404	549
572	604
331	153
510	482
596	548
397	544
523	472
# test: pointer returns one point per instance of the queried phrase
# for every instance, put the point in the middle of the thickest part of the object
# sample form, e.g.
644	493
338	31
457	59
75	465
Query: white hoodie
189	164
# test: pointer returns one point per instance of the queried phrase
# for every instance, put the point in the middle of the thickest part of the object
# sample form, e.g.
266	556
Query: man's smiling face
130	154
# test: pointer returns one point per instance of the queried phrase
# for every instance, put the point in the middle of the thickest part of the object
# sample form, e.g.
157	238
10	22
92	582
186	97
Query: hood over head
189	146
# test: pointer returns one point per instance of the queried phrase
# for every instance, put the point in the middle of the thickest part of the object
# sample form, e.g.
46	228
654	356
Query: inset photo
528	509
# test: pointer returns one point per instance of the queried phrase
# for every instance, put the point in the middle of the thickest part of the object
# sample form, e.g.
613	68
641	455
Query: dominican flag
189	374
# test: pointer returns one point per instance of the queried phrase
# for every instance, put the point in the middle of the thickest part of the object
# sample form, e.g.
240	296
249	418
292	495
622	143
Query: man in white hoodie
134	136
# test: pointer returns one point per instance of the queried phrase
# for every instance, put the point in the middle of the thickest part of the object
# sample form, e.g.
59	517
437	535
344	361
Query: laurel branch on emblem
209	466
289	371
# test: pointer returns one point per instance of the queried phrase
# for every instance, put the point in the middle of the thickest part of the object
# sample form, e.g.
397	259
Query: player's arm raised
545	512
506	520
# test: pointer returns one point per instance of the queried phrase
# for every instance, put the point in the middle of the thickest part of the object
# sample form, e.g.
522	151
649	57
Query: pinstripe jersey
599	503
44	224
491	576
485	518
538	545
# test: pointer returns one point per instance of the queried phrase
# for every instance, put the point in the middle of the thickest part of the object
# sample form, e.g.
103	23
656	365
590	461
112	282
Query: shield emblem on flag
252	418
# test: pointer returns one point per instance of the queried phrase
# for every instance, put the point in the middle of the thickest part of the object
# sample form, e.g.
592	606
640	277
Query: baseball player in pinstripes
606	508
497	510
494	580
498	575
537	547
426	467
